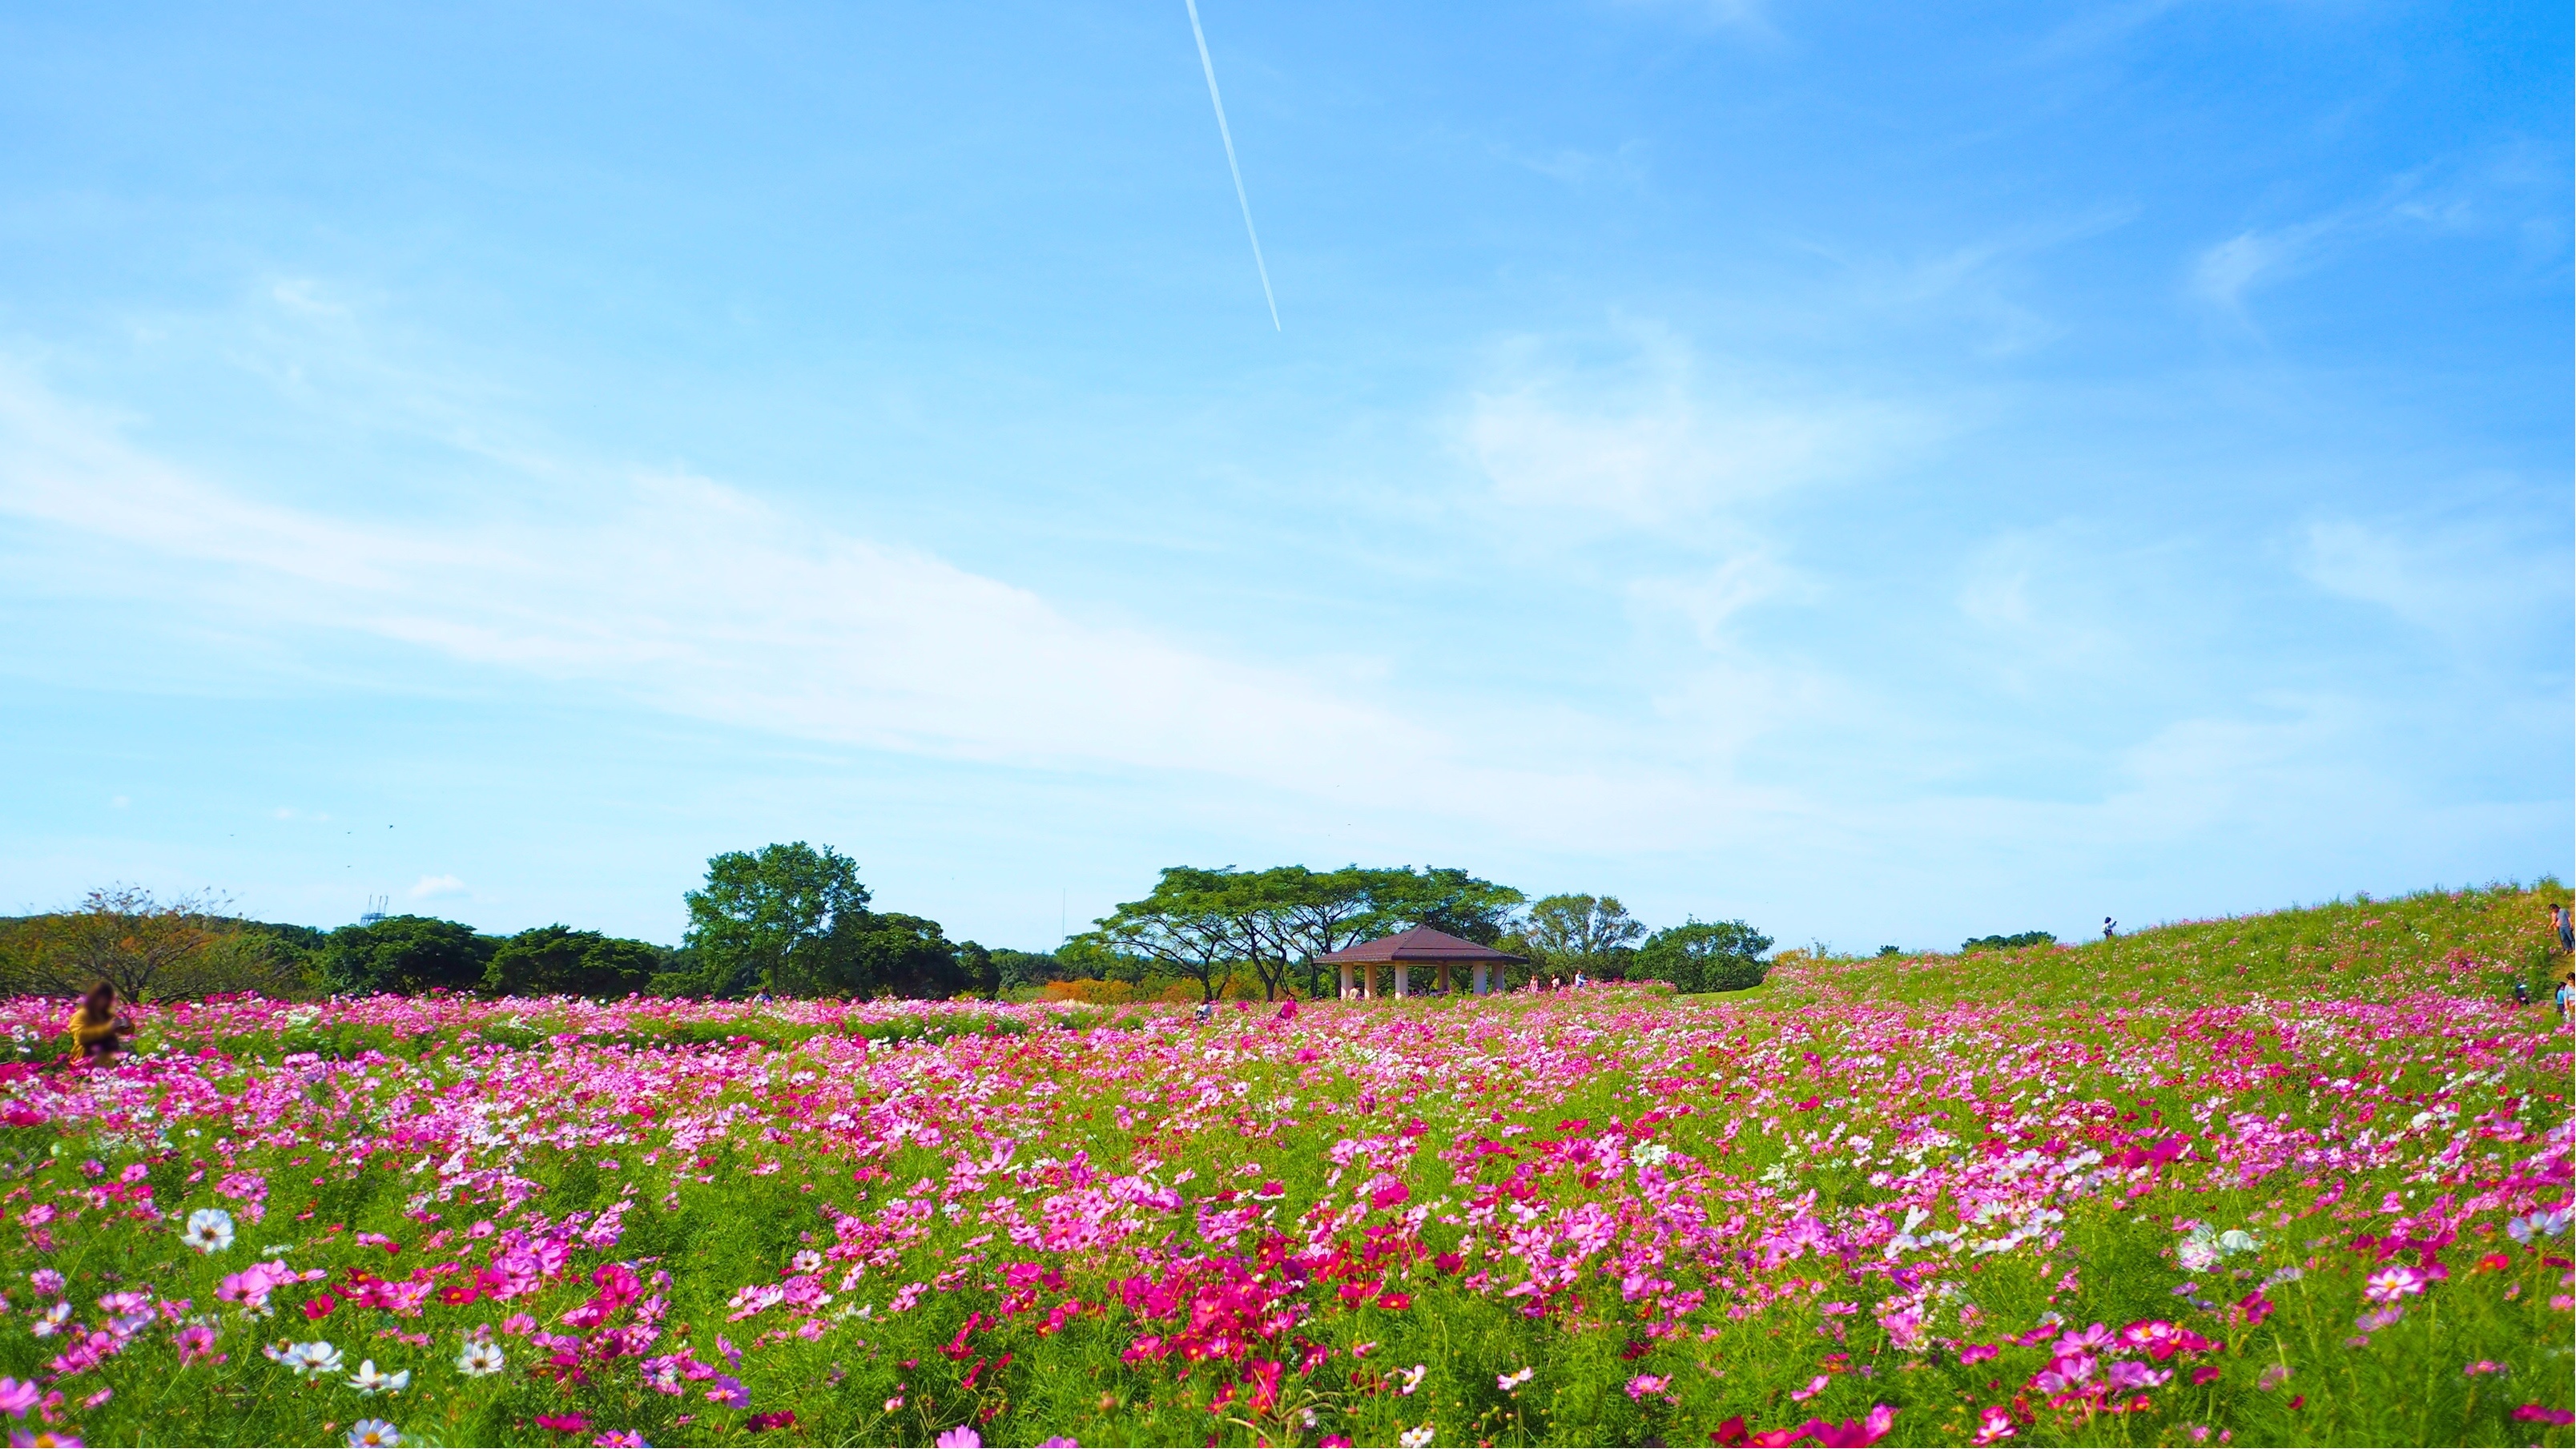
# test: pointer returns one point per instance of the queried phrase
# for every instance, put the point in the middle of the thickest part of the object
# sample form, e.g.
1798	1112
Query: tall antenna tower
375	911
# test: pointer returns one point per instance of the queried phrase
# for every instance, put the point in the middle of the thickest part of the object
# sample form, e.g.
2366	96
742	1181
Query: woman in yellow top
95	1026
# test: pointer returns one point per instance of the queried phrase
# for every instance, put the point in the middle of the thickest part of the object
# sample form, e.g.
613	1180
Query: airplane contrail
1227	136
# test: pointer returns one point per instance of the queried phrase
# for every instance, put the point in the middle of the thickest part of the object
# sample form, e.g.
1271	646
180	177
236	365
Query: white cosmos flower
1411	1379
209	1230
1415	1438
368	1381
373	1434
480	1360
312	1360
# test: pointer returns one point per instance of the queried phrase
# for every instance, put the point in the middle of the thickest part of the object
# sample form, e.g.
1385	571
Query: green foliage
1591	934
890	954
1445	899
1996	943
1705	956
408	955
1188	927
766	920
1203	925
148	950
560	961
1016	970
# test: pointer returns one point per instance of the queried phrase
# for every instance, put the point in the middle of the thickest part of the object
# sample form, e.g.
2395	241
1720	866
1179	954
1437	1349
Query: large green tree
891	954
1201	924
407	954
149	950
999	968
1573	932
1445	898
560	961
1705	956
765	920
1190	926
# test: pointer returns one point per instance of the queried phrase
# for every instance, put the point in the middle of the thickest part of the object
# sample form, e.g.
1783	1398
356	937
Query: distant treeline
794	920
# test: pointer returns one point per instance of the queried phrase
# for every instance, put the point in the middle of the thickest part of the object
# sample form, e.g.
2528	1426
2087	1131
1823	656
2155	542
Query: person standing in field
95	1026
2563	926
2110	928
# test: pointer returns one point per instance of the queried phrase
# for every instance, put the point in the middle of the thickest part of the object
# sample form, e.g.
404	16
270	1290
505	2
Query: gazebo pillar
1481	969
1444	978
1371	993
1346	981
1400	979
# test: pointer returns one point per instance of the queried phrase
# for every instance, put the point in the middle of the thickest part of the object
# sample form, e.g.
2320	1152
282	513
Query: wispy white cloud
437	887
2223	274
696	598
2463	581
2459	196
1710	600
1622	165
1661	435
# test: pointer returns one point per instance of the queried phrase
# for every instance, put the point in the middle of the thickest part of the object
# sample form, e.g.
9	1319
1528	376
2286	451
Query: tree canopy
407	954
765	919
560	961
1705	956
1202	924
2012	942
1591	934
147	949
794	919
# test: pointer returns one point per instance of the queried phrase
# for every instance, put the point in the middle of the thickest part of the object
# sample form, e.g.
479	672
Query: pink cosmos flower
1994	1425
1976	1353
2540	1414
1854	1433
1814	1387
2063	1375
17	1398
2392	1282
1644	1384
960	1437
2128	1376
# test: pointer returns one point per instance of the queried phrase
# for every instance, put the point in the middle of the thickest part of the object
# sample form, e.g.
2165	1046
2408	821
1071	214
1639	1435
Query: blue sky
1888	473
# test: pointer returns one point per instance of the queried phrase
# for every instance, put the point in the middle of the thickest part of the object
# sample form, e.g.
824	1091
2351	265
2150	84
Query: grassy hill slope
2473	942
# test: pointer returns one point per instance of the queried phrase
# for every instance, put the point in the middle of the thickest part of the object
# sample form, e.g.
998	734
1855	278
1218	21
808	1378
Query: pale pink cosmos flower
2393	1282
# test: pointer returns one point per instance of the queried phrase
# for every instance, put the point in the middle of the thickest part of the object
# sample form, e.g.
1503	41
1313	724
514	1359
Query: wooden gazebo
1421	945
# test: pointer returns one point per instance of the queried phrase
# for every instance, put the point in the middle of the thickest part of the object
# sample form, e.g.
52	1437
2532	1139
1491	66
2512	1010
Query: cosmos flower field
2233	1183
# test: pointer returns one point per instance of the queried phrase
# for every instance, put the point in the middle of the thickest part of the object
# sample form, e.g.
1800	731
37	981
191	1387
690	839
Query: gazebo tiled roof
1419	944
